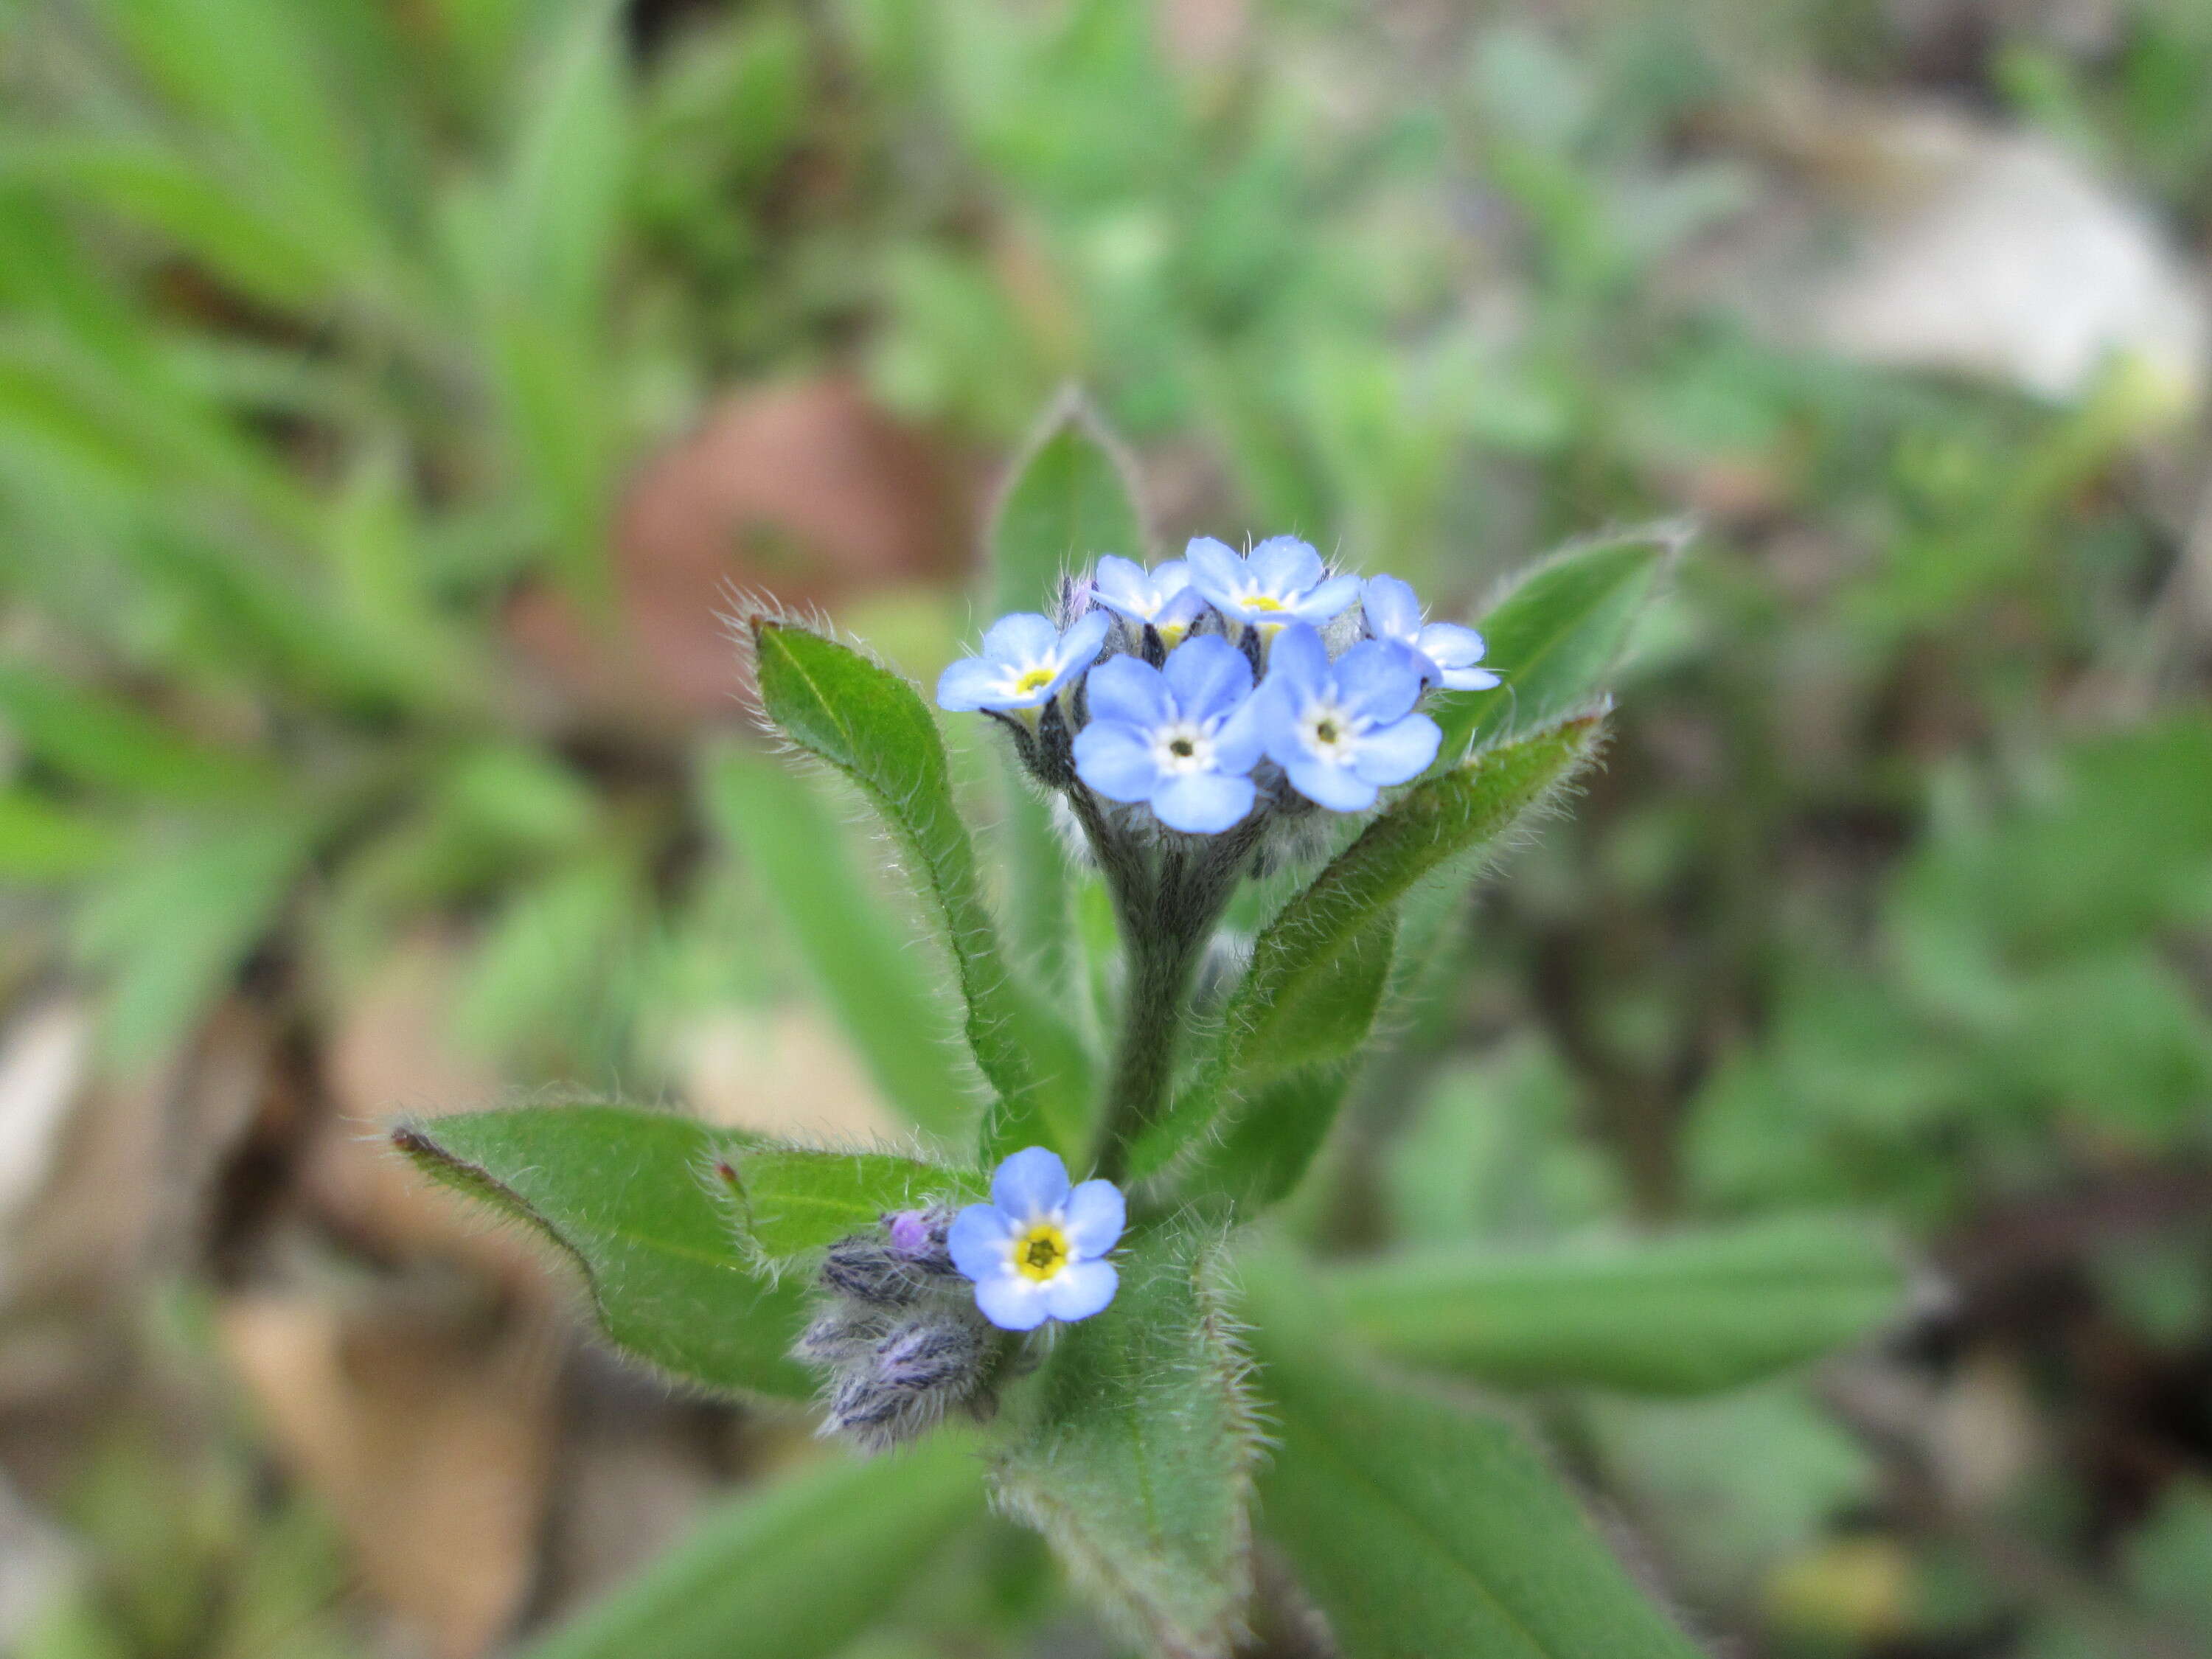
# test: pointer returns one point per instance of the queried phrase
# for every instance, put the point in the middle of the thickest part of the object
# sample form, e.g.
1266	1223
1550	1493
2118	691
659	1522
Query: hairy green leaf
1690	1314
793	1569
1318	969
1555	637
1071	499
875	729
794	1200
1421	1528
625	1194
883	994
1138	1463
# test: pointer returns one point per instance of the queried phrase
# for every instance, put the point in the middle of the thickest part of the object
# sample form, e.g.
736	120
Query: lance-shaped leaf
1068	499
1556	636
624	1193
1687	1314
1138	1463
874	728
792	1200
1290	1006
795	1569
896	1019
1421	1528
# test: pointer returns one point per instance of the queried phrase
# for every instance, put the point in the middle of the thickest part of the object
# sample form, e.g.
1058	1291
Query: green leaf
1137	1462
795	1199
1420	1528
1555	637
97	740
874	728
41	842
793	1569
1686	1314
1318	969
624	1193
883	996
1070	499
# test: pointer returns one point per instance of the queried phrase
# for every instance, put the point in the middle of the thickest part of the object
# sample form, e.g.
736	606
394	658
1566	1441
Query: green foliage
1682	1314
625	1196
793	1569
1421	1528
1136	1456
792	1200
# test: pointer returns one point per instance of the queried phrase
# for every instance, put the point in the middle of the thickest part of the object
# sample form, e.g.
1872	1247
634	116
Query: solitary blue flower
1447	651
1035	1251
1161	597
1023	663
1283	581
1342	730
1167	736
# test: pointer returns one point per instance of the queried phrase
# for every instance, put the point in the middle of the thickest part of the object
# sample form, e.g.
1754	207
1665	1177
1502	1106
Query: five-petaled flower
1170	736
1283	581
1023	663
1161	597
1447	651
1342	730
1036	1251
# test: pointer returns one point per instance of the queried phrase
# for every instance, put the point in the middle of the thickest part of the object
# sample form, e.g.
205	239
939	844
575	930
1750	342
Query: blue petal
1392	608
1116	759
1468	679
1184	607
1450	646
1121	584
1012	1302
1202	803
1299	660
1030	1183
1214	570
1130	690
1208	677
1170	578
1239	740
1332	597
1379	678
1271	719
1394	753
1095	1217
1328	784
1283	565
1078	646
1078	1289
970	684
1021	639
981	1241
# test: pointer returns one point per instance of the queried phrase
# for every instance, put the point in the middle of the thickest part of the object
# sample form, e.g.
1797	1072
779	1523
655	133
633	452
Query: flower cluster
1216	683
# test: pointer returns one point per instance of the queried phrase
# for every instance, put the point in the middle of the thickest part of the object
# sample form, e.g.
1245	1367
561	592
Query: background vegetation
390	393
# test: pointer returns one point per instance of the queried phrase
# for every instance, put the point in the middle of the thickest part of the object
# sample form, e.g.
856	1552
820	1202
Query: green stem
1145	1053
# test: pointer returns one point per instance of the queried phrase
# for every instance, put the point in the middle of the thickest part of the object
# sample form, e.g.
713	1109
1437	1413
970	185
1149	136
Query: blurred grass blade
874	728
793	1569
625	1194
1294	1002
792	1201
1556	636
1422	1528
1138	1464
42	841
94	740
1691	1314
882	992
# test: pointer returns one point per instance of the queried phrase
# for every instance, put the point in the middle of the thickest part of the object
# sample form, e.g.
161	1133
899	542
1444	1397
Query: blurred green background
394	393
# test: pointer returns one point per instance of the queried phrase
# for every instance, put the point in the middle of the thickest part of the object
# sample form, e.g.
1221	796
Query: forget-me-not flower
1036	1251
1342	730
1283	581
1023	663
1161	597
1167	736
1447	651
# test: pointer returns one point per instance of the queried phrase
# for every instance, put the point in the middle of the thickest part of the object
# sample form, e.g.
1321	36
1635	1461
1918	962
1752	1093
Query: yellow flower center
1262	602
1041	1252
1034	679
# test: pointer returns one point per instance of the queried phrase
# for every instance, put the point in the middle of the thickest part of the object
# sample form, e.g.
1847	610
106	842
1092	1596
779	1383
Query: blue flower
1169	736
1342	730
1283	581
1447	651
1023	663
1035	1251
1161	597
